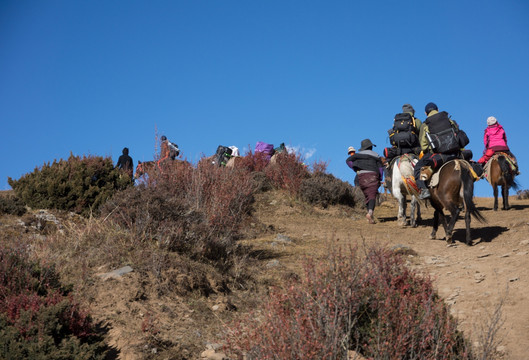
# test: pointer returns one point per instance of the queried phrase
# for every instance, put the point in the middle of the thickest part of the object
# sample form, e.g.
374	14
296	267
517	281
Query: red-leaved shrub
38	319
373	305
287	171
197	210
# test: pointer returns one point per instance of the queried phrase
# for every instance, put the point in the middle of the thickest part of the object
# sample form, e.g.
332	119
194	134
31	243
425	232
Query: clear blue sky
91	77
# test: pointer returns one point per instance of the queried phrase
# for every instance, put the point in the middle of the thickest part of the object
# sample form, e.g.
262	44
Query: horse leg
505	196
419	217
454	213
495	191
467	224
401	217
414	205
436	216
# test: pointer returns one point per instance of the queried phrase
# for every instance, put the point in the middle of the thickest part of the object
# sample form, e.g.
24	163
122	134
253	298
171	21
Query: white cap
350	149
491	120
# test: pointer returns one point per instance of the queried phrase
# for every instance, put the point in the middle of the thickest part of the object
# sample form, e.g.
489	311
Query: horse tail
468	194
507	173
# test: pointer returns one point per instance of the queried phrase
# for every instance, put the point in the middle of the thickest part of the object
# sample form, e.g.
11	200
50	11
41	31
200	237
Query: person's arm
486	140
423	141
349	161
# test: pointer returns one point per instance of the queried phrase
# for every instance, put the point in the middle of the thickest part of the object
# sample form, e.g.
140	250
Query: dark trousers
435	161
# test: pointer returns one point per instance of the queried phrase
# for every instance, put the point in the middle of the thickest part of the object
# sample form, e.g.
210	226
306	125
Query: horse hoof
432	236
413	225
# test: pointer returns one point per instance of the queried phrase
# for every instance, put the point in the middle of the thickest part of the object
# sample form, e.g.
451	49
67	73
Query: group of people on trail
168	151
435	141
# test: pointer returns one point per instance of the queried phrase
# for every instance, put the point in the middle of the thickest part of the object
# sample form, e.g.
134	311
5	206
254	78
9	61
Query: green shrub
325	189
77	184
12	205
522	194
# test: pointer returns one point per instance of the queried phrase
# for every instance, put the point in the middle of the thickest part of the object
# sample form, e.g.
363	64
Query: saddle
510	160
409	181
429	174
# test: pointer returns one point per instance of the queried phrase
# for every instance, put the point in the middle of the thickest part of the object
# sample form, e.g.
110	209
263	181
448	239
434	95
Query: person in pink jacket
495	140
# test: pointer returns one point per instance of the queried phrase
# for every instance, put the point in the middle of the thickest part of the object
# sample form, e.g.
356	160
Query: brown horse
144	167
454	191
501	174
158	167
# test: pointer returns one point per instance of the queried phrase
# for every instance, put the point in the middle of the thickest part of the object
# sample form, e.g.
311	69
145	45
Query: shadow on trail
518	207
482	234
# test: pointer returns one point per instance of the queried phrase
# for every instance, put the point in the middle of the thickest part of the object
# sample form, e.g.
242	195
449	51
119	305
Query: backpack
280	149
442	134
403	134
267	149
174	151
222	155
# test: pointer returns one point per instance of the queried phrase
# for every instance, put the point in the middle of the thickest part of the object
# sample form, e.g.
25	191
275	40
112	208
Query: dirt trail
473	279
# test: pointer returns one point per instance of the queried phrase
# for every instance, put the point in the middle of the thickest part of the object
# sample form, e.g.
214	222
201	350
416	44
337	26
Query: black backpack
222	155
403	134
174	151
442	134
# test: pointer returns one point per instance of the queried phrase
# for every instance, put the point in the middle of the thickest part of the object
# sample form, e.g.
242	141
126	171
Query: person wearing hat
436	123
367	164
350	152
495	140
407	108
404	137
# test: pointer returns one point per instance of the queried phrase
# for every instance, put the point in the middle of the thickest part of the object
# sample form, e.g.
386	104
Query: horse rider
125	162
404	138
495	140
434	154
168	150
367	165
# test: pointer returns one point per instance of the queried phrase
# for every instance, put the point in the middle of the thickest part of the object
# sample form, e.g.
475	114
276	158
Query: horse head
139	169
426	173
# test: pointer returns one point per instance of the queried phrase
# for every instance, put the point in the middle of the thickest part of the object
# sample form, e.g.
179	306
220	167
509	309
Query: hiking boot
425	194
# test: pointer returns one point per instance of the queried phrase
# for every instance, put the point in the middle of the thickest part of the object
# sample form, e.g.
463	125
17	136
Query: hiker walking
125	162
367	164
438	144
495	140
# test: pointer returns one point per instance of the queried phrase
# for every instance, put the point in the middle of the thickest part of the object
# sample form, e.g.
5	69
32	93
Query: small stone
484	255
479	278
116	274
272	263
213	346
505	255
524	242
522	253
514	279
283	238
